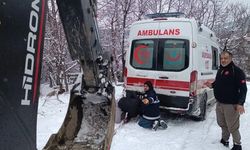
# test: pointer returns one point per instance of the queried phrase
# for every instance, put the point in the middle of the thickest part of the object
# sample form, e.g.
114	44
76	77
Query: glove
141	97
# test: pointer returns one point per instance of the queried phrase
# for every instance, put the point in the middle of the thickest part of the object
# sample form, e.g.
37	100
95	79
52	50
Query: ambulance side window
215	58
174	55
142	54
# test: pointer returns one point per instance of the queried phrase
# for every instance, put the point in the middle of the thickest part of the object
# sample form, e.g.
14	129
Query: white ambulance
178	55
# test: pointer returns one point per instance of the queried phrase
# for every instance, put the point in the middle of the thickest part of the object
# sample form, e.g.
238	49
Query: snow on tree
228	20
56	58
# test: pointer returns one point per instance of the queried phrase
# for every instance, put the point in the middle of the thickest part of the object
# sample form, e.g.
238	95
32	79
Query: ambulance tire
203	108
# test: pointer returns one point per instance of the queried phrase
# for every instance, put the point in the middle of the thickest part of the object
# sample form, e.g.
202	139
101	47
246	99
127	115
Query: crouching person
150	111
129	107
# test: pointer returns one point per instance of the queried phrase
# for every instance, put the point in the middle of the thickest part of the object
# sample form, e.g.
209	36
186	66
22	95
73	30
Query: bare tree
140	8
226	19
114	15
231	26
126	10
160	6
56	58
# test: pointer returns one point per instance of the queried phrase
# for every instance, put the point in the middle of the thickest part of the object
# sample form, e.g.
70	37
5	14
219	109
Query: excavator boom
22	25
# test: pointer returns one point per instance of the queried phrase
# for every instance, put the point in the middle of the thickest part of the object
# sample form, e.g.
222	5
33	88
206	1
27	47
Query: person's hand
240	109
145	101
208	84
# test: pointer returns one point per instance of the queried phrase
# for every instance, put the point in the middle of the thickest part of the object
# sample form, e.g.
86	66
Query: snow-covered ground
182	133
51	114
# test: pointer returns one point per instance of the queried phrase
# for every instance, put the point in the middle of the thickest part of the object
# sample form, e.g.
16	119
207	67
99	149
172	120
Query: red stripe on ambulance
159	84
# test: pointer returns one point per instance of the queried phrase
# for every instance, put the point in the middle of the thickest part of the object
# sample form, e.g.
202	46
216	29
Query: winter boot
225	143
156	124
163	124
236	147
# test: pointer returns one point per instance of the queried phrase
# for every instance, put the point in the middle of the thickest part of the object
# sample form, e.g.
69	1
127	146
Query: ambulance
179	56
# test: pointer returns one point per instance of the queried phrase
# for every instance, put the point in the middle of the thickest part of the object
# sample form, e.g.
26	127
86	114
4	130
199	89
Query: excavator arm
21	49
79	22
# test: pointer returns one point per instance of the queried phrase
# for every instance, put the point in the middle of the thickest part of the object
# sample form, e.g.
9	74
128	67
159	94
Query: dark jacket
151	111
129	105
230	85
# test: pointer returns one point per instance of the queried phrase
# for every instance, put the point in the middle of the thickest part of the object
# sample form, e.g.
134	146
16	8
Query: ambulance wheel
203	108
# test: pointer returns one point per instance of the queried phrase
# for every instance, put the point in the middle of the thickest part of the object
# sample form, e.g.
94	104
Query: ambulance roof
163	19
200	28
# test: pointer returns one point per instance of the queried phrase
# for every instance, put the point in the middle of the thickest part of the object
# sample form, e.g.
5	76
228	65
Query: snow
182	132
51	114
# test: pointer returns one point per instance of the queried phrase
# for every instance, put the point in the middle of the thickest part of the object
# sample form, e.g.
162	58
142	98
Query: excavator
22	25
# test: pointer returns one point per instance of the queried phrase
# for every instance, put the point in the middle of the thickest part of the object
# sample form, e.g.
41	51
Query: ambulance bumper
174	103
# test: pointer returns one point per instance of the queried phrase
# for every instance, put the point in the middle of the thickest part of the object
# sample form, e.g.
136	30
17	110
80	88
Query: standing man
230	92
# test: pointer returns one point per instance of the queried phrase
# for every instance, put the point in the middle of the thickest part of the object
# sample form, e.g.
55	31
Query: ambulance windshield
160	54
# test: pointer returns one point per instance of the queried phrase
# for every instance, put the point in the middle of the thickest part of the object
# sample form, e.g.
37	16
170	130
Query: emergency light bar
162	15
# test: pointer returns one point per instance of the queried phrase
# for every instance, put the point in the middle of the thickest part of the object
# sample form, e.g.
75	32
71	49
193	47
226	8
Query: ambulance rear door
140	62
174	58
